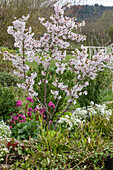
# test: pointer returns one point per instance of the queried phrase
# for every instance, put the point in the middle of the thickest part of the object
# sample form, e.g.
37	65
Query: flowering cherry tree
48	49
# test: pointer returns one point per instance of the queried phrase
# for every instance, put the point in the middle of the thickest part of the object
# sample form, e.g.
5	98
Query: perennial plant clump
28	121
5	137
52	48
82	115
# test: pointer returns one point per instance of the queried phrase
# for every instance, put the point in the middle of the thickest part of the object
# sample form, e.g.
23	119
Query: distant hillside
86	12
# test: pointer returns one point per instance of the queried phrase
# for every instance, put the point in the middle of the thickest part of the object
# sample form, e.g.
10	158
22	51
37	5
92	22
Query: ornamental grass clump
5	137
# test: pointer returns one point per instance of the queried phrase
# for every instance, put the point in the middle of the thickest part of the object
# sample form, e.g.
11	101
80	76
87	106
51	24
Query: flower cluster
51	104
80	115
18	103
5	135
18	118
21	117
4	131
30	99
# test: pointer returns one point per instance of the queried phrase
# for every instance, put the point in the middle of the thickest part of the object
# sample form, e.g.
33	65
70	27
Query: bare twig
62	113
43	106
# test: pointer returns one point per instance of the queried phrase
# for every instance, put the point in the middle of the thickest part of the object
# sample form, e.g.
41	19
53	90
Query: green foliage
86	148
7	103
7	79
110	32
66	77
5	65
25	130
97	88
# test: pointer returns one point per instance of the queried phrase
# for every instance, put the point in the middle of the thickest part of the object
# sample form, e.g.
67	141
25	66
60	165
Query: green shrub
66	77
97	88
7	79
7	103
5	65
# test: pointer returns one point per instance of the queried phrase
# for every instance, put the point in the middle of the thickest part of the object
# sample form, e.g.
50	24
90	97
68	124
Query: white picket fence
93	50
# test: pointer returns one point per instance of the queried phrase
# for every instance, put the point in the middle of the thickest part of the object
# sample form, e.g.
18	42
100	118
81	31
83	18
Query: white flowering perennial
99	109
5	134
80	115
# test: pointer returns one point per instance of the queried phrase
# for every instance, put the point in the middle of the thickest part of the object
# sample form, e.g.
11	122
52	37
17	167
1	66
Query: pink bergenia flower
51	104
29	114
30	99
21	121
21	115
10	126
12	122
18	103
44	116
51	121
35	110
42	111
15	118
30	109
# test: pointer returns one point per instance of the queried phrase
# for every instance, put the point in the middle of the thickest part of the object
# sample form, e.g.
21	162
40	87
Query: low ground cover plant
5	137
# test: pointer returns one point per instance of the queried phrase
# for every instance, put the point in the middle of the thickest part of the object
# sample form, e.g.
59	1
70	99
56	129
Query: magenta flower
42	111
35	110
30	99
51	104
44	116
15	118
10	126
21	121
18	103
12	122
29	114
21	115
30	109
51	121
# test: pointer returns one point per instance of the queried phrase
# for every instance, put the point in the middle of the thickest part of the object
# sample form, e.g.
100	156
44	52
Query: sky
89	2
100	2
